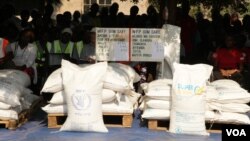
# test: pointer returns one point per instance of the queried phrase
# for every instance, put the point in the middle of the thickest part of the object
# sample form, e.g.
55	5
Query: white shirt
25	56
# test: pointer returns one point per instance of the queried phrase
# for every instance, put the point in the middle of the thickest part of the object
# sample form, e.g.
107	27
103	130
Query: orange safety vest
3	45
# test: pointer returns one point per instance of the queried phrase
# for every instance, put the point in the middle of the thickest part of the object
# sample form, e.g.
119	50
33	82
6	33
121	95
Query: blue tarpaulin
36	130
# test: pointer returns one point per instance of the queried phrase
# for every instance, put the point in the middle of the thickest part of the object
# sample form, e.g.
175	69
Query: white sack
108	95
113	107
156	114
9	93
8	114
4	106
53	83
117	79
188	100
230	107
225	83
158	89
55	109
133	75
83	88
227	95
19	76
231	118
157	104
59	97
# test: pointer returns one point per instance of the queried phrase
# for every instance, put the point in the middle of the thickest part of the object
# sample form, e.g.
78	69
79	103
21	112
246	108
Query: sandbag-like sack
16	75
83	88
188	99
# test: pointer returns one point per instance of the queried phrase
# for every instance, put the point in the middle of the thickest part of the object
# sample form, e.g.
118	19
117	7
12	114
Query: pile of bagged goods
90	90
156	101
15	96
189	100
227	102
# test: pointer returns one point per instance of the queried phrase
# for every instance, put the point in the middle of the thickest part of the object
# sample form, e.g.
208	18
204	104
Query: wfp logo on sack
235	132
81	100
190	89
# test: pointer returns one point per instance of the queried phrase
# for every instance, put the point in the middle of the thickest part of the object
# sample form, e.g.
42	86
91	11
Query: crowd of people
27	44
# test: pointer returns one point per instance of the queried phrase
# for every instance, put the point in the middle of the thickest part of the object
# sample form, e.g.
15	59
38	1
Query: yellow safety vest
79	47
58	49
40	55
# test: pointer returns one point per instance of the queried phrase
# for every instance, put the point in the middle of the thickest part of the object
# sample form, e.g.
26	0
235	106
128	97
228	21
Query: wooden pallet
22	117
154	124
110	120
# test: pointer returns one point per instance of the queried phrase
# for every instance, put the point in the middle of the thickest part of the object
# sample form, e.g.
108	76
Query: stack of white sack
118	95
157	99
14	94
227	102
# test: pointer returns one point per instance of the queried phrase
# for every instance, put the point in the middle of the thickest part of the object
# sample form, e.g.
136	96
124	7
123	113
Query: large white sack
225	83
55	109
158	89
117	79
53	83
230	107
108	95
113	107
133	97
227	95
8	114
133	75
157	104
9	93
13	83
124	100
83	88
209	115
157	85
59	97
231	118
19	76
4	106
156	114
188	100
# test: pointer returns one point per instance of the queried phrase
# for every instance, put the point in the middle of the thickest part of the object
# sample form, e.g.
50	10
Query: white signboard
112	44
146	45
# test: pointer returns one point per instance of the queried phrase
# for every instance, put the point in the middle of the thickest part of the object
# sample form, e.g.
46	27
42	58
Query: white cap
67	30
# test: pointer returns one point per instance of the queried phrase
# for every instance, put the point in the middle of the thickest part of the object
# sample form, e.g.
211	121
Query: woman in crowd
228	61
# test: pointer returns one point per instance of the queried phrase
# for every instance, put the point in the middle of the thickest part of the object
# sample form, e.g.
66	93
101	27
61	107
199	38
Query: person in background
3	45
43	45
25	15
228	61
22	54
64	44
88	55
78	48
